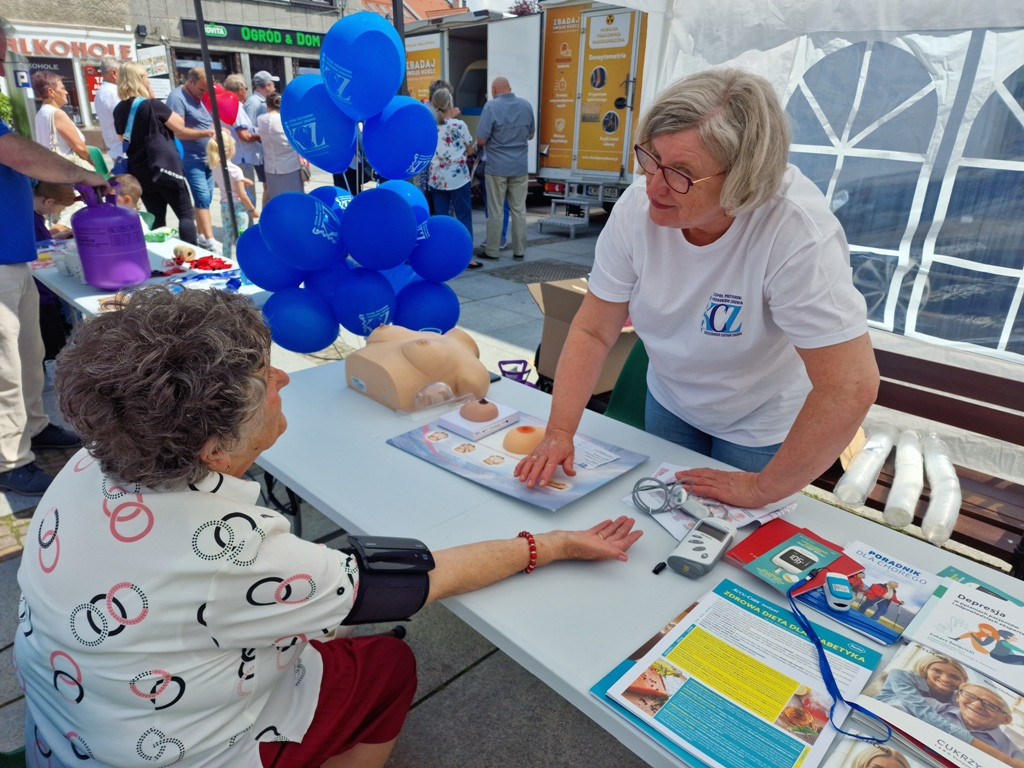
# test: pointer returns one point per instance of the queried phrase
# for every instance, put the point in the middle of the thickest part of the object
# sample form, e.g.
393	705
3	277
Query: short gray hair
147	386
741	124
235	83
109	64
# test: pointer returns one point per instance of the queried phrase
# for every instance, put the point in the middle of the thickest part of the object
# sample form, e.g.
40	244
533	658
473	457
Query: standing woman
448	177
280	160
736	276
54	128
152	154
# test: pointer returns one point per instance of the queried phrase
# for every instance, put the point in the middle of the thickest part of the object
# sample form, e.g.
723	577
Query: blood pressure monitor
702	547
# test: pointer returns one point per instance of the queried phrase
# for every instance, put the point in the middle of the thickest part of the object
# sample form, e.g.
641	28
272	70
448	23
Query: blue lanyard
829	678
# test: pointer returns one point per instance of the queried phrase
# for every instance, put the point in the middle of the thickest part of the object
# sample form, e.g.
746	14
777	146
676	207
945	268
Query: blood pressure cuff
393	578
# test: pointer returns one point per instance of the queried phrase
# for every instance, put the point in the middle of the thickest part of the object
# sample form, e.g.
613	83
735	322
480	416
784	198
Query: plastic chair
98	160
149	219
629	395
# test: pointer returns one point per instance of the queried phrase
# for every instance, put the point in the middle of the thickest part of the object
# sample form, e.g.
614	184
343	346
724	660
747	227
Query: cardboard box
559	302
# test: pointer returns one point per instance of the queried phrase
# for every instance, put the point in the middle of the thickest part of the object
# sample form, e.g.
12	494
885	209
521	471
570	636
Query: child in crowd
245	211
129	195
48	200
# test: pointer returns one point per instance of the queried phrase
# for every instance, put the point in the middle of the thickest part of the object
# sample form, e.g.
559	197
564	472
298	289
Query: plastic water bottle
944	504
907	482
862	474
110	240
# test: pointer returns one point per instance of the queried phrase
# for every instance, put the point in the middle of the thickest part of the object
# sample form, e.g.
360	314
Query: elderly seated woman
168	619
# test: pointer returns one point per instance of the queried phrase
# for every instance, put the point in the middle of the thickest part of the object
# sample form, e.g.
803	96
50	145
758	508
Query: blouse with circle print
449	168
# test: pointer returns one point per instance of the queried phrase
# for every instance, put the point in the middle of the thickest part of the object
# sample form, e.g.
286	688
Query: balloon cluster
377	258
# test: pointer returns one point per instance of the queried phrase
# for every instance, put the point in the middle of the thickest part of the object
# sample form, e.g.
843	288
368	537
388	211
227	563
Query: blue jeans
660	421
458	201
200	182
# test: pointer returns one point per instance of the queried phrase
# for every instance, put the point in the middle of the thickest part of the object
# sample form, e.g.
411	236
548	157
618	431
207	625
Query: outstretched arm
844	384
474	566
31	159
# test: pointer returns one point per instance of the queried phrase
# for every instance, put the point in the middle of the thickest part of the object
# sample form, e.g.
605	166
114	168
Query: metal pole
212	91
398	20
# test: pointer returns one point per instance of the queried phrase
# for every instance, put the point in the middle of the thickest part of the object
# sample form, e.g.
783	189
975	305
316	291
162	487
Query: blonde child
245	211
128	196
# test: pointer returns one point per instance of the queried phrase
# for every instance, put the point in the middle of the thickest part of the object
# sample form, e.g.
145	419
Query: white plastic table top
569	623
86	298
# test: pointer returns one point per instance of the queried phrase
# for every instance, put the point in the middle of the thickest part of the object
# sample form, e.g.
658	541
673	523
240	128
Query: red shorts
365	694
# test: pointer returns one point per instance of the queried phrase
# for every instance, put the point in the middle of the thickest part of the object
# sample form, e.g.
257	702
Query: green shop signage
264	35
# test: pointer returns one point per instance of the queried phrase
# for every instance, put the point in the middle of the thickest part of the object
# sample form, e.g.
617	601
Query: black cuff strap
394	578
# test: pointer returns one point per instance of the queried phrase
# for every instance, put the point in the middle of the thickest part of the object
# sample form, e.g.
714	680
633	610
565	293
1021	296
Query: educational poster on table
737	684
489	462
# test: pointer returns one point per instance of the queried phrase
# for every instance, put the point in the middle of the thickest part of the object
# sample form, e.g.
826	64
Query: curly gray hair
741	124
146	387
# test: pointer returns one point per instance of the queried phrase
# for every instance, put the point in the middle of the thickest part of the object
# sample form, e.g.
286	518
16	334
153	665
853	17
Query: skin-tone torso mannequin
396	363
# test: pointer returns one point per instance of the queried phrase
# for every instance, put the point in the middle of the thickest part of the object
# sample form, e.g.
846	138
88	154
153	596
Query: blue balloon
335	198
323	281
363	299
300	320
314	125
414	195
362	61
261	266
427	306
399	276
379	228
301	229
401	140
445	252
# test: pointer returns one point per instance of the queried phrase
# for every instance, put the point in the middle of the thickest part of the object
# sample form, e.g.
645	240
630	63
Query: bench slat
973	417
962	382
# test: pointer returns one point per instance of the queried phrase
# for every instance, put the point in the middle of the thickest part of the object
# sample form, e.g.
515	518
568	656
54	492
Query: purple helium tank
110	242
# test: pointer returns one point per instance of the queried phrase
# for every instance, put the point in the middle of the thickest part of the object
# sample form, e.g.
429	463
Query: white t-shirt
106	100
234	174
720	321
161	628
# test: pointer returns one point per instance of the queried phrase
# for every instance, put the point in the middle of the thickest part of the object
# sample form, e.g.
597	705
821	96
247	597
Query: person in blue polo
186	100
24	425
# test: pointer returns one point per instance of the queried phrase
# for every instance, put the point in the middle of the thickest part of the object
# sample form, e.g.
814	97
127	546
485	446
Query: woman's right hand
554	451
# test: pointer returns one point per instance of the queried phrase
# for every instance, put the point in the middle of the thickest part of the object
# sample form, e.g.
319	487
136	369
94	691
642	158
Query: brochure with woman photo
963	717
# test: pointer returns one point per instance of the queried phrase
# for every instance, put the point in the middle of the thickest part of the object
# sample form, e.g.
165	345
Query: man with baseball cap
263	84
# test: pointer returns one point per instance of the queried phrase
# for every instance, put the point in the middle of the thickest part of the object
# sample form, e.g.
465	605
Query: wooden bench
992	513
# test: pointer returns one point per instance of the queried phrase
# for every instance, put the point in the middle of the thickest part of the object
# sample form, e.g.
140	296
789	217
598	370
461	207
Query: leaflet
977	628
736	684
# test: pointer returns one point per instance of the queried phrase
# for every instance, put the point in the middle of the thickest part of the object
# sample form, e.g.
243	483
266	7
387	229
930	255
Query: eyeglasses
676	180
991	707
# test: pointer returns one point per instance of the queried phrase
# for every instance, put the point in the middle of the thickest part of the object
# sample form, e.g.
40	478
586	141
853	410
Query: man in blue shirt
506	126
24	426
186	100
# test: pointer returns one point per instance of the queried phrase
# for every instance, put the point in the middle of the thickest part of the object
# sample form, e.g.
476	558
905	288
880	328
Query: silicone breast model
523	439
479	411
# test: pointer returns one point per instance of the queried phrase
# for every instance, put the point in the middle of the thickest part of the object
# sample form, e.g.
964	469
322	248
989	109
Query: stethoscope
653	496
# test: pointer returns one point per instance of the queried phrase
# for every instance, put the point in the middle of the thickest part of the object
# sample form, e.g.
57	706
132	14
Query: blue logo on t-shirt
722	315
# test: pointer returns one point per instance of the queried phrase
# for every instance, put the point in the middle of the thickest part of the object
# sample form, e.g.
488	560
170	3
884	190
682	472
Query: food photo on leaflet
166	472
768	379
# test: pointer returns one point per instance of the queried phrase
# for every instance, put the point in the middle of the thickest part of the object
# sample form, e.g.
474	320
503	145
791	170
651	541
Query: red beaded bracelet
533	550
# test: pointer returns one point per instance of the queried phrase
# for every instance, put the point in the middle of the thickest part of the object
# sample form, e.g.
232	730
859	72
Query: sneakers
28	480
54	437
209	244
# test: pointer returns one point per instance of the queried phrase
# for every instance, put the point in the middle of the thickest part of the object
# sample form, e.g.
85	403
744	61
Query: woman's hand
556	449
607	540
732	487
